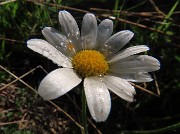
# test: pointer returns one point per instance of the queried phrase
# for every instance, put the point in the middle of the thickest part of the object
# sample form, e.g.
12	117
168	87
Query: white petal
70	29
88	31
135	64
59	41
47	50
128	52
98	98
57	83
120	87
116	42
144	58
105	30
134	77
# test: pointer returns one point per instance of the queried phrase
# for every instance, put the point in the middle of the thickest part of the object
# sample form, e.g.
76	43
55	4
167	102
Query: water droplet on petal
62	44
68	35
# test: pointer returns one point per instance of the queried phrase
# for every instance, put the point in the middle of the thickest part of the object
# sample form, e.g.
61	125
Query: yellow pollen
90	63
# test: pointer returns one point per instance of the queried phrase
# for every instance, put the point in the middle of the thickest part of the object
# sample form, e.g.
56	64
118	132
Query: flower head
95	57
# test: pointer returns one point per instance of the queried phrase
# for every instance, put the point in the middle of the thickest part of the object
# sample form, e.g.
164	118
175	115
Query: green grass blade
166	26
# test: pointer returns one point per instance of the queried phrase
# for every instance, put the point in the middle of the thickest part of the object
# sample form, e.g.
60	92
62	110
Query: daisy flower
95	58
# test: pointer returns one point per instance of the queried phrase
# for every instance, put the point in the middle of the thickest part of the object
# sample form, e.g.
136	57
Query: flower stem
84	117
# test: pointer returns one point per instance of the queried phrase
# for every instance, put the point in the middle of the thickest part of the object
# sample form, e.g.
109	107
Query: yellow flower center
90	63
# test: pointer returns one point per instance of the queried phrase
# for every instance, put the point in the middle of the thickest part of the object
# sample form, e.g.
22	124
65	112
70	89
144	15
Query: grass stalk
84	113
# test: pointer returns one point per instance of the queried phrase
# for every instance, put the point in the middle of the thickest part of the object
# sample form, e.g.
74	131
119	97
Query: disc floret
90	63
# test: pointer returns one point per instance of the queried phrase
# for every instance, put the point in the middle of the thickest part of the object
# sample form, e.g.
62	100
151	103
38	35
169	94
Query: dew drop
77	32
45	52
61	44
68	35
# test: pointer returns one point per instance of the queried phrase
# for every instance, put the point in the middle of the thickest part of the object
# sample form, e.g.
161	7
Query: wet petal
128	52
134	77
116	42
98	98
88	31
59	41
135	64
57	83
120	87
105	30
70	29
47	50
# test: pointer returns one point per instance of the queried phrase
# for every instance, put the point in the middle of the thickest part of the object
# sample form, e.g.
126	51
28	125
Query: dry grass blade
138	25
11	40
156	8
60	6
22	121
17	78
128	13
7	1
106	16
144	89
13	122
59	109
89	120
156	84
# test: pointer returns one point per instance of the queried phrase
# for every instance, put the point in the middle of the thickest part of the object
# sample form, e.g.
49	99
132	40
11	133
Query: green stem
84	117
